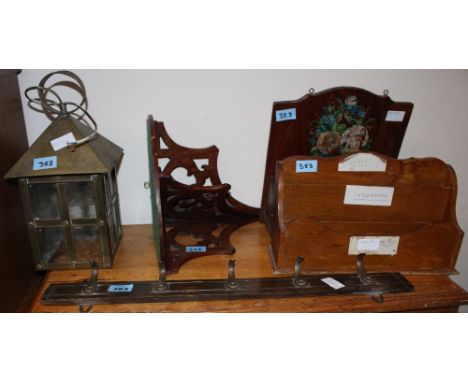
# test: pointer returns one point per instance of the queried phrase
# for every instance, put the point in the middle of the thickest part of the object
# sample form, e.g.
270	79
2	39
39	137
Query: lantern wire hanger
55	107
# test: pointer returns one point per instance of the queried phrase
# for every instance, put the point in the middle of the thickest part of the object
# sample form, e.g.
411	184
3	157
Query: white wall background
232	109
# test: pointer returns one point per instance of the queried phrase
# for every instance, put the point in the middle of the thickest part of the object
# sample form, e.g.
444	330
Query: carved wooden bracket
190	220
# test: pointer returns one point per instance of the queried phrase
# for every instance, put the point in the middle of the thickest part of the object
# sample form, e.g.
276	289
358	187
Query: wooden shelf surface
136	261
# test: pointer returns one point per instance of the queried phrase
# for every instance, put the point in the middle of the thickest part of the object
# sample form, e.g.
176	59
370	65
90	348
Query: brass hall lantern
68	185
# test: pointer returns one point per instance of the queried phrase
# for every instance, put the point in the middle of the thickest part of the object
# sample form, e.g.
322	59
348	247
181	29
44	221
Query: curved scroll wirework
55	108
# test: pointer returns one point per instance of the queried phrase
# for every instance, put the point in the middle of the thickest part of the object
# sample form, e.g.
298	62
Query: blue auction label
195	248
286	115
309	165
45	163
124	288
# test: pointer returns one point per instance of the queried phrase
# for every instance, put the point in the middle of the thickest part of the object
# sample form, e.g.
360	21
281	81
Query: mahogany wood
135	260
310	218
202	214
359	111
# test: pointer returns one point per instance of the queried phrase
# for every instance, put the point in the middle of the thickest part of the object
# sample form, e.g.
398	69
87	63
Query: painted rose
351	101
342	127
329	142
354	138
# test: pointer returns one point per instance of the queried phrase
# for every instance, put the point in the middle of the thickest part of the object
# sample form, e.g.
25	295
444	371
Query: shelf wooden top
136	261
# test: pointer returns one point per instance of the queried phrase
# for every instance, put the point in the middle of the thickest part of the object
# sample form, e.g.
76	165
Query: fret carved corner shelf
190	220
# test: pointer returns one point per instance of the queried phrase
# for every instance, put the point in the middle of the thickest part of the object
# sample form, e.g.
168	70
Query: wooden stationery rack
405	208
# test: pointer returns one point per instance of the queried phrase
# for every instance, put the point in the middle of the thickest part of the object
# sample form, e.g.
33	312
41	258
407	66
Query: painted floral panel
343	127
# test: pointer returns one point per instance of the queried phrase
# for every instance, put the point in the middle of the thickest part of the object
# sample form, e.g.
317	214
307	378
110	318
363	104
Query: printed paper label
363	162
373	245
395	116
306	165
368	195
45	163
195	248
335	284
285	115
62	141
120	288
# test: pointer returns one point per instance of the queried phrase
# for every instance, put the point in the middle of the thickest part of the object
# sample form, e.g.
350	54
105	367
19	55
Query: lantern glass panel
44	201
112	235
52	245
113	227
109	189
81	203
118	224
87	243
112	202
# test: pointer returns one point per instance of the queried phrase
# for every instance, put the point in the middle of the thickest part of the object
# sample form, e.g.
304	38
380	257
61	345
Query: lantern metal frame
69	233
107	220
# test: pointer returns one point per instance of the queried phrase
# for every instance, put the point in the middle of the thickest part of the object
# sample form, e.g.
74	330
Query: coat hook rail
92	292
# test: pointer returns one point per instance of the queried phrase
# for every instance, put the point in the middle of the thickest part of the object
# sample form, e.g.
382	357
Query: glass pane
113	238
81	200
114	181
52	245
87	244
118	224
108	187
44	201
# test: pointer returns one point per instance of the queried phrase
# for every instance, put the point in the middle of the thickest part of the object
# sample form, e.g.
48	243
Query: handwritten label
309	165
285	115
335	284
62	141
368	195
373	245
368	244
395	116
195	248
363	162
123	288
45	163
